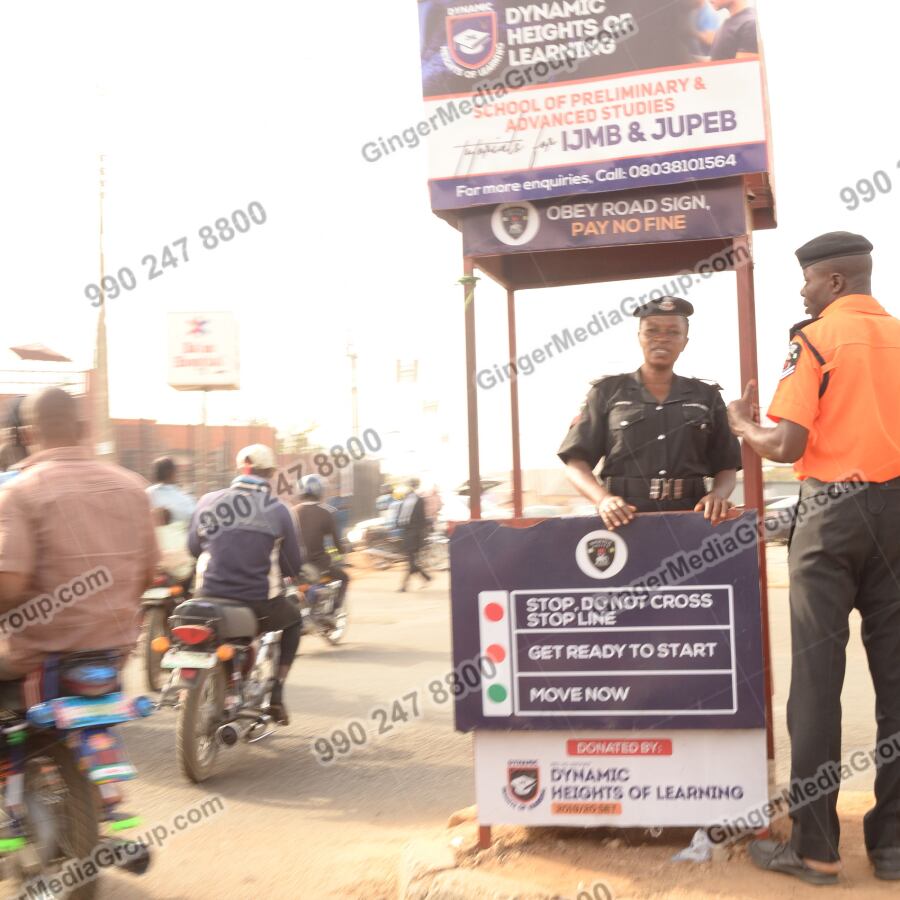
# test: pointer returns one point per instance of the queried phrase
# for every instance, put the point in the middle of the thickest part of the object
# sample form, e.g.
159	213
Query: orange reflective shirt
843	384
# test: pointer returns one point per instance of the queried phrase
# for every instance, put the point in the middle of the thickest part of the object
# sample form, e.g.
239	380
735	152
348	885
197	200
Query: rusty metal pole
514	405
468	282
753	480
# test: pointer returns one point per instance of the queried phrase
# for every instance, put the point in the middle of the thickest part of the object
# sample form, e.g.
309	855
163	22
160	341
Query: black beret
665	306
831	246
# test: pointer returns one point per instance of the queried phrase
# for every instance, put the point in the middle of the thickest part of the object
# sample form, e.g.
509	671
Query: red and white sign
203	352
684	778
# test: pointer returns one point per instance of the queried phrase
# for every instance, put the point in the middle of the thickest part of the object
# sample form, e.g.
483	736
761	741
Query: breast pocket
626	427
697	421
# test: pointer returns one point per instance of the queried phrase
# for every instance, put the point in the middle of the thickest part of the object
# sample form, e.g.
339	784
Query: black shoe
887	869
776	857
278	711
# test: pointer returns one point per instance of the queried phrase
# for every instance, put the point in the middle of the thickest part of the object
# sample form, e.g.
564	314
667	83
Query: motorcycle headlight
355	535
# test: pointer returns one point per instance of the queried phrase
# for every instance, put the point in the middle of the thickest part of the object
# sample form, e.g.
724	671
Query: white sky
203	107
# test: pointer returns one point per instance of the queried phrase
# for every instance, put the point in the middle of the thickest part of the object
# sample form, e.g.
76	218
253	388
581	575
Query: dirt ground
632	864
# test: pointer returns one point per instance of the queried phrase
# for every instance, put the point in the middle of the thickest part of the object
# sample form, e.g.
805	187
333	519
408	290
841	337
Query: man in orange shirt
837	409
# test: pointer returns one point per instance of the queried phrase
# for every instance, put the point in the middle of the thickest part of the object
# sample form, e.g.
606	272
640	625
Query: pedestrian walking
412	522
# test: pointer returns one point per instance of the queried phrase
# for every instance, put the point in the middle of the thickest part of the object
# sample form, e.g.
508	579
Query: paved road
291	827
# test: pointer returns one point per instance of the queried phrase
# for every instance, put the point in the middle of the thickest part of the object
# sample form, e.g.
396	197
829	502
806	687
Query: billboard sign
689	212
203	351
527	101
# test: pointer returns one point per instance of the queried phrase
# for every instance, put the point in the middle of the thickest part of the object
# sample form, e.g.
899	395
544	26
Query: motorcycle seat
232	618
62	675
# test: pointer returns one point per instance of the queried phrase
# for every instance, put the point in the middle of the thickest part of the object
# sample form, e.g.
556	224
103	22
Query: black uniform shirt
687	435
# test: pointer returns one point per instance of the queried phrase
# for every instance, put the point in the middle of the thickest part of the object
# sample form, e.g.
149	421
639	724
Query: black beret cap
831	246
665	306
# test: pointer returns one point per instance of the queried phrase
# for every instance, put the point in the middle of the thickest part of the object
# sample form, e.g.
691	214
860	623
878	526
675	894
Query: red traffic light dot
496	653
494	611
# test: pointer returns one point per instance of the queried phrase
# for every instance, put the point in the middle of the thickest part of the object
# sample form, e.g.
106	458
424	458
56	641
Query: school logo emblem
515	224
523	784
472	48
601	554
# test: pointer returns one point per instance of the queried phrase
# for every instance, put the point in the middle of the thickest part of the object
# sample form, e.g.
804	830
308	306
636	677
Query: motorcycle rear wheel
198	720
63	808
154	626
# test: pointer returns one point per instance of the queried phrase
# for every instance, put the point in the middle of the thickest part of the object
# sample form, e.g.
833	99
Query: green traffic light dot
497	693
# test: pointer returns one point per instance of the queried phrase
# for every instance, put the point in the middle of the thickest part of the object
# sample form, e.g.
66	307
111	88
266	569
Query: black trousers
280	614
844	553
412	544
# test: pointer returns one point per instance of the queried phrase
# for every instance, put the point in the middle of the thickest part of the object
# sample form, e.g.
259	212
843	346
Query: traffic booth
621	679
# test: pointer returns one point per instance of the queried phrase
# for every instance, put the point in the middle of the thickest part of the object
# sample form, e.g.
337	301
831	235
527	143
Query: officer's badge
515	220
667	305
790	364
601	552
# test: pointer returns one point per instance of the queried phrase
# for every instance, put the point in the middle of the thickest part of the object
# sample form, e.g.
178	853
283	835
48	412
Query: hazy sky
203	107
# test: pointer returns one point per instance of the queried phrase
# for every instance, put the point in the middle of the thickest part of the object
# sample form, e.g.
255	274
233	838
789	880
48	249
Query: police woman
660	435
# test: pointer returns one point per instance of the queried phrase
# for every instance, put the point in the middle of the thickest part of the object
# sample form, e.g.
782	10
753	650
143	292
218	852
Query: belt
656	488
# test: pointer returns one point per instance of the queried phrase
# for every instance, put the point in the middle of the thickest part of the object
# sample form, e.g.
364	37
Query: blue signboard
656	625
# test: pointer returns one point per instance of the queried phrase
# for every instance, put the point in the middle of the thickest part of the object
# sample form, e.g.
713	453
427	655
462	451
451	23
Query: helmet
311	486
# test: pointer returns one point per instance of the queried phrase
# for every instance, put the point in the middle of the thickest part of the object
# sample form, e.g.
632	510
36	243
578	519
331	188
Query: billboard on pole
203	351
527	101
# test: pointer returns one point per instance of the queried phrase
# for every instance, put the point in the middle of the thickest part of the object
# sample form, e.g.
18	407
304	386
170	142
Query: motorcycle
62	765
221	677
317	598
385	549
157	604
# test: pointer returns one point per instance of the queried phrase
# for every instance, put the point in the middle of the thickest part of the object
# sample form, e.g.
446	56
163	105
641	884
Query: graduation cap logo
472	38
523	782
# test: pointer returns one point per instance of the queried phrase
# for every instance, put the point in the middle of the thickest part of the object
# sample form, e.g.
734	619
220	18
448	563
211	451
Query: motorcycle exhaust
230	733
130	856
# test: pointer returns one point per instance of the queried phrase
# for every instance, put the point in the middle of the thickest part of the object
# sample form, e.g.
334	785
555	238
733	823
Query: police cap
831	246
665	306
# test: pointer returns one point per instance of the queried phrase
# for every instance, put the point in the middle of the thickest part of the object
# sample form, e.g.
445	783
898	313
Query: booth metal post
468	283
514	405
753	481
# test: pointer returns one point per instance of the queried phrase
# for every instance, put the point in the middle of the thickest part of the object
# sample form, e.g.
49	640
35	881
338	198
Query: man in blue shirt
248	544
166	494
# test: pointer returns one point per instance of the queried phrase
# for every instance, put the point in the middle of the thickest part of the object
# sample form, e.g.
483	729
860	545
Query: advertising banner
690	212
203	351
625	779
526	101
656	626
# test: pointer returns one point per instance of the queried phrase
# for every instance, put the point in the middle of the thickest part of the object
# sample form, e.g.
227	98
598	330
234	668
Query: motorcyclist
318	521
248	548
73	528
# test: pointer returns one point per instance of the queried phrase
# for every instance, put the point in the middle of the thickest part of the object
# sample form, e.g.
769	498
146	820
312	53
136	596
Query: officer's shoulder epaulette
610	381
710	383
799	326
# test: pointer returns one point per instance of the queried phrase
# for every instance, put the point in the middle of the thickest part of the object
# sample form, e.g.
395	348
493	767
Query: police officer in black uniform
660	435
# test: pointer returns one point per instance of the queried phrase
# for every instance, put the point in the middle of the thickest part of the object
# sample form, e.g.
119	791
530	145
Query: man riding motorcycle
76	529
317	521
247	556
